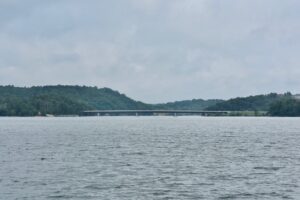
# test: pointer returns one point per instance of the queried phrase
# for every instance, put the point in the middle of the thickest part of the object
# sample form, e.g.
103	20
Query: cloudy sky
153	50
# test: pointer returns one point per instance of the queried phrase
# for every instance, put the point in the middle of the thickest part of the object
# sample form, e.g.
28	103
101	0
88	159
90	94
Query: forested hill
72	100
195	104
67	100
61	100
251	103
286	107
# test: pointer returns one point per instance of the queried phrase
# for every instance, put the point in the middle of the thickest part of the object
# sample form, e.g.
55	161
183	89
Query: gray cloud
153	50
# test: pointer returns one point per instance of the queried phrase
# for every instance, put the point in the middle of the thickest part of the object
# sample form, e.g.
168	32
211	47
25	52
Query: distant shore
66	100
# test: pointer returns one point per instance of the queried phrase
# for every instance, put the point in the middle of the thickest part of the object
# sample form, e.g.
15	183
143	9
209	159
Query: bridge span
151	113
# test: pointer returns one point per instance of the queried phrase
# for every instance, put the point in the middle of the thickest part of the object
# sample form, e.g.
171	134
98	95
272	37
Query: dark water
149	158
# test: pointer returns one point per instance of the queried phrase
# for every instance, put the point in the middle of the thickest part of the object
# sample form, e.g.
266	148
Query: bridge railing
151	113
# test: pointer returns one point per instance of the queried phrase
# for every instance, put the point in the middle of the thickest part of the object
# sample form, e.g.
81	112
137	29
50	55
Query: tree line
72	100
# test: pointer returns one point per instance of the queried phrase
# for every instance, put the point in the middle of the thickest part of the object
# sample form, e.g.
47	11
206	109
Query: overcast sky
153	50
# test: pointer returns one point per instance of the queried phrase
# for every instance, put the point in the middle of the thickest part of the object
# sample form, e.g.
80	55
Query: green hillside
72	100
285	107
61	100
251	103
195	104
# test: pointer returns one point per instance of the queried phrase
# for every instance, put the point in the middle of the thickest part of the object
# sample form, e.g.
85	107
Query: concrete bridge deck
151	113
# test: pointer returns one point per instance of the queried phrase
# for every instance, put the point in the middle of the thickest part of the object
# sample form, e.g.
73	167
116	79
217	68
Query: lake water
149	158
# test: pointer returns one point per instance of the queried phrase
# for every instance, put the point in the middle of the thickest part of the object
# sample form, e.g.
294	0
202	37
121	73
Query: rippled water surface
149	158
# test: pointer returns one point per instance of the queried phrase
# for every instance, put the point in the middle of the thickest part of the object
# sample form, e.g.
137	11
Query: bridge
151	113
